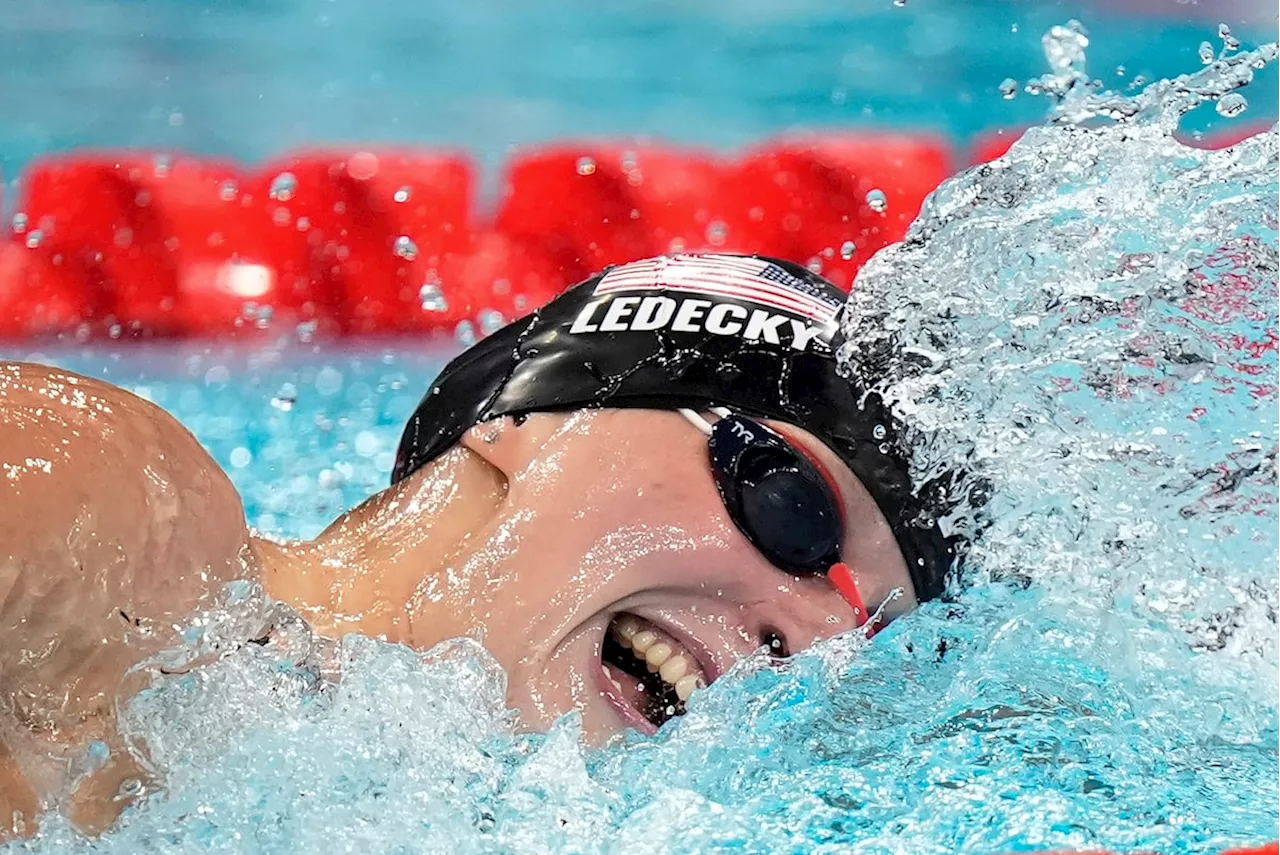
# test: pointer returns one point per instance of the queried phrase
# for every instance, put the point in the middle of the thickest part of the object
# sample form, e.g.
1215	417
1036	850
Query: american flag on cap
734	277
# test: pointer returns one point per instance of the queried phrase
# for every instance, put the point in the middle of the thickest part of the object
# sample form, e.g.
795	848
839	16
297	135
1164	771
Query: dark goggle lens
776	497
793	521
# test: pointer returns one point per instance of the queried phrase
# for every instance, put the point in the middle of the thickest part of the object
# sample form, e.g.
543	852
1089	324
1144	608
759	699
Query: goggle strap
842	577
697	420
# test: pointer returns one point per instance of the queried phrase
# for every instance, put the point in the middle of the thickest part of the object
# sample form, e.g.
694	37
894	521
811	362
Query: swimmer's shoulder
115	526
73	447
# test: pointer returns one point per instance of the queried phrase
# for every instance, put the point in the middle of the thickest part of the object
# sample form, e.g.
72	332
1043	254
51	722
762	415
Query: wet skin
531	538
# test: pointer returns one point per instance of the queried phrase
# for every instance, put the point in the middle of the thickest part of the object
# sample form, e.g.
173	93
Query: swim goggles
781	499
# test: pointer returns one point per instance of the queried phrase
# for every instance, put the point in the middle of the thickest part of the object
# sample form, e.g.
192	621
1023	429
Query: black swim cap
754	334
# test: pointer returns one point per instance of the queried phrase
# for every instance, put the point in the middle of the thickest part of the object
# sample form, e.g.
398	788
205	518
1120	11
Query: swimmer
657	474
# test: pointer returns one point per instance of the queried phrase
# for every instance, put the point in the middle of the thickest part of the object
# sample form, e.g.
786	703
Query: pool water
1092	326
252	78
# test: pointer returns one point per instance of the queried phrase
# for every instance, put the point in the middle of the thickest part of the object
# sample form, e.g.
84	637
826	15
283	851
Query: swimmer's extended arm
115	526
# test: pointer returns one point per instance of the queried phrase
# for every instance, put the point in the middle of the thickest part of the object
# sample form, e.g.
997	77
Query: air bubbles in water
283	187
432	298
34	237
227	192
403	194
1232	104
20	222
1008	88
877	201
848	249
586	166
405	248
1207	53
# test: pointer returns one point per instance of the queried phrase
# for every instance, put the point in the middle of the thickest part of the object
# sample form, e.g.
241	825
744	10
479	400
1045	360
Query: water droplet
586	166
328	381
115	330
899	3
162	164
129	788
1008	88
879	432
285	398
432	297
307	330
1229	42
877	201
883	447
717	232
363	165
142	198
1206	53
1232	104
814	265
264	317
20	222
405	248
403	194
33	238
491	320
848	249
283	186
465	333
1121	71
227	192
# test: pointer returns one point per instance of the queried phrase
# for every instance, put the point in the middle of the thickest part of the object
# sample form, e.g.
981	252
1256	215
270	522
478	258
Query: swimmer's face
612	538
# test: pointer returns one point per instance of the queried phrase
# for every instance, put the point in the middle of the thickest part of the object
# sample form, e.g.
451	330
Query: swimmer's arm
115	527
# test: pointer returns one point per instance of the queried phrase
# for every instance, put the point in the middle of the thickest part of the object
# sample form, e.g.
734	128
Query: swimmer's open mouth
650	671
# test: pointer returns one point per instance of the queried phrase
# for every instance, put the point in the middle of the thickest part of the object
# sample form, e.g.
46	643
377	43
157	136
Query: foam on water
1090	331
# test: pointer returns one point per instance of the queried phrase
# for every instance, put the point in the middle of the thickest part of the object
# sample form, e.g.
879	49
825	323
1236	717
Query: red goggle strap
842	577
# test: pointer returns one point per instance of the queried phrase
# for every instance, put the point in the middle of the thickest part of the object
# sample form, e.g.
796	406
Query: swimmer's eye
775	644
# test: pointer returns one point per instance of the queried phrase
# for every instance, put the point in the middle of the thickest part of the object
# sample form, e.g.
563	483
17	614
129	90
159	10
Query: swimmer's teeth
673	669
625	630
642	641
676	668
657	654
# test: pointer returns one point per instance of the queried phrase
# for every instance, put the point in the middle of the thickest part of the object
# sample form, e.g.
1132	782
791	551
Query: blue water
252	78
